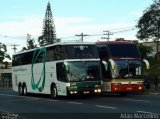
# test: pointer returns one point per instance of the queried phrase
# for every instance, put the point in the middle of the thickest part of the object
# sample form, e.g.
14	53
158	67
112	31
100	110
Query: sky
21	17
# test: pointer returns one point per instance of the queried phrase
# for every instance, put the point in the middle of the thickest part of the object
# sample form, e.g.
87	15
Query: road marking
78	103
138	100
106	107
147	112
53	100
25	97
10	95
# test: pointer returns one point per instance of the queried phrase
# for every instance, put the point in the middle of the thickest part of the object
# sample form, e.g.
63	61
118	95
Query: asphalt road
95	107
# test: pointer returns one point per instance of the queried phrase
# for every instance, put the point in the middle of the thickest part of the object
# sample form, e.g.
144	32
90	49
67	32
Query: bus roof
115	42
58	43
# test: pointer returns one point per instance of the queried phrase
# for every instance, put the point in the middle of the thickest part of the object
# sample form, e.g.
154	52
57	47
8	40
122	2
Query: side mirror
112	64
147	63
105	64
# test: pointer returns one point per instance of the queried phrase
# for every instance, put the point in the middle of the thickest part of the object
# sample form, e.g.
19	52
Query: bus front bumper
127	88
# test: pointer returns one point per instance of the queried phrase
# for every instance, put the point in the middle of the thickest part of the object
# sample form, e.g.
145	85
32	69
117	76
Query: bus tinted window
103	52
80	51
22	59
121	50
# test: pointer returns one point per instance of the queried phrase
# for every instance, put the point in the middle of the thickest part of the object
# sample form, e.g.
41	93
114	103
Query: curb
154	93
151	93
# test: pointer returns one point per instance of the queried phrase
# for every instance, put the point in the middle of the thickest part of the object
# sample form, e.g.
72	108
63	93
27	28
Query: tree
3	53
144	51
41	40
30	43
149	24
49	34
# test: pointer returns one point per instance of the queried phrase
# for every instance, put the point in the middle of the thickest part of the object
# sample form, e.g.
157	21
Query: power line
126	30
81	35
14	37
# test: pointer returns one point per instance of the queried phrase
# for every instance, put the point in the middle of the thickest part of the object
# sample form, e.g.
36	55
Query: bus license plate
129	88
86	92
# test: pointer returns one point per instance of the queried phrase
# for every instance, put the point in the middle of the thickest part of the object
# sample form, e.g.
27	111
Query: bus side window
61	74
59	52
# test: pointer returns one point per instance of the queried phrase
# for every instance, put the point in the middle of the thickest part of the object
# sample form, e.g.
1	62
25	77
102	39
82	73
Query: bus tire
20	89
24	90
53	92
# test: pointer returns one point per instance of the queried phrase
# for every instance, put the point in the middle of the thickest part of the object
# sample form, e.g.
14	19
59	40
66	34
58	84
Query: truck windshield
83	70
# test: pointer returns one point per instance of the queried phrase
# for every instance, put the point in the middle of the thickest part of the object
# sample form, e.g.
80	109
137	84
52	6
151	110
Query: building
155	47
6	74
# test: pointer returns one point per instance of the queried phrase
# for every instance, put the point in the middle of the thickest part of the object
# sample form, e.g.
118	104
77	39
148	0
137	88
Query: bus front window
82	71
128	69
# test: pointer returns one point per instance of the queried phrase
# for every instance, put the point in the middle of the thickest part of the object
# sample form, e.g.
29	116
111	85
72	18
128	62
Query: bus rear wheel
53	92
24	90
20	89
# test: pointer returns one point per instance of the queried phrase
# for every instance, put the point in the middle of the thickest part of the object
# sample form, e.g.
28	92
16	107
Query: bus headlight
140	88
73	92
97	90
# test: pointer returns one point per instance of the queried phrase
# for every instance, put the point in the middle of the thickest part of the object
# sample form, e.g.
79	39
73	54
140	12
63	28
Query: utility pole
158	54
14	47
81	35
107	33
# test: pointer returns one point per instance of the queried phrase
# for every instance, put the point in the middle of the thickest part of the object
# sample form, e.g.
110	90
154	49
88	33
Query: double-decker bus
122	67
60	69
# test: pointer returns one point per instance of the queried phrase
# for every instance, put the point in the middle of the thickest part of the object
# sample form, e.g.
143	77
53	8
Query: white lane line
10	95
137	100
78	103
147	112
25	97
52	100
108	107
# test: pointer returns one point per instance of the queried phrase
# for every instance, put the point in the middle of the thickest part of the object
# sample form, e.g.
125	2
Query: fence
6	83
152	81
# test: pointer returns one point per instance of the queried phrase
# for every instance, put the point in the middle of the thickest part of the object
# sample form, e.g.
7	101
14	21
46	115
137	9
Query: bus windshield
121	50
80	51
82	71
128	69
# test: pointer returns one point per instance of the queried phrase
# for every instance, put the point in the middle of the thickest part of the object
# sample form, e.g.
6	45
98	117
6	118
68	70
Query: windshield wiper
79	79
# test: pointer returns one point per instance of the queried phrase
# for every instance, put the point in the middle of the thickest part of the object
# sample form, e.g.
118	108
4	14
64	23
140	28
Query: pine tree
48	34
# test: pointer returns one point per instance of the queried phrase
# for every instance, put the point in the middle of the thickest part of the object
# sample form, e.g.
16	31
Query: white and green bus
60	69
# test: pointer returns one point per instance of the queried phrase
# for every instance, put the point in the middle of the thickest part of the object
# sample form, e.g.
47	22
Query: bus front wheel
53	92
